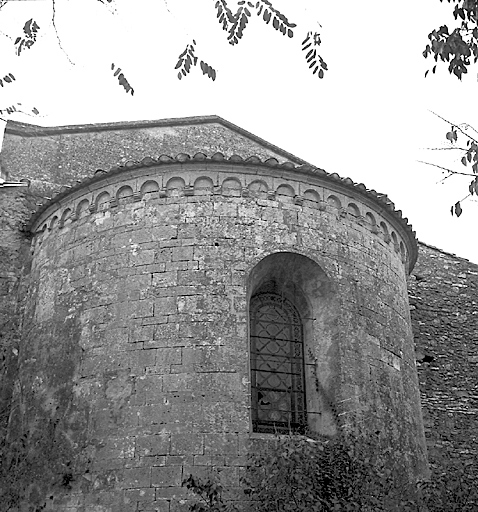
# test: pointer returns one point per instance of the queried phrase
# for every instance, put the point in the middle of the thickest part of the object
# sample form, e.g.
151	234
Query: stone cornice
380	202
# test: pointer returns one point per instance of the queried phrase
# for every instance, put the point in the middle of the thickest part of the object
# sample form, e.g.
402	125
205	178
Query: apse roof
290	163
358	188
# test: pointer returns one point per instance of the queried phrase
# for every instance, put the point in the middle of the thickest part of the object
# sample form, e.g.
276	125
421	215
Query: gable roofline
31	130
447	253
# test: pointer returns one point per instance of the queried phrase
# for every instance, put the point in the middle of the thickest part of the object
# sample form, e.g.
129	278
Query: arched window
277	365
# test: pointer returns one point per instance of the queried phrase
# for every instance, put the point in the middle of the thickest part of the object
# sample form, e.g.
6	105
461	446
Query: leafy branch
469	159
459	47
314	60
279	21
8	79
239	22
224	14
30	31
209	492
13	109
235	24
188	59
53	21
122	79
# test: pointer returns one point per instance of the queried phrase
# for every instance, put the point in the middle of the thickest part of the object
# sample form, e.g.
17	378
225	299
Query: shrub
298	473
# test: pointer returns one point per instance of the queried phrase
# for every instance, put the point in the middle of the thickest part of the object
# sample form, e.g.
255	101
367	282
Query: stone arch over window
82	208
258	188
53	222
175	187
103	201
124	194
293	346
149	187
65	217
334	201
231	187
285	190
203	186
312	195
353	210
385	233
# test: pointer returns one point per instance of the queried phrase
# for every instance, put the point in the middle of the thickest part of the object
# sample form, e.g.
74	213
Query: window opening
277	365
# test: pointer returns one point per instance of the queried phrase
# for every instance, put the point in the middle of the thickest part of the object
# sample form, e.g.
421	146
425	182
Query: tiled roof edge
453	255
30	130
380	199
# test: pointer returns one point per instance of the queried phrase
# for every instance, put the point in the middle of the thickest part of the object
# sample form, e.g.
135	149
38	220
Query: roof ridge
452	254
31	130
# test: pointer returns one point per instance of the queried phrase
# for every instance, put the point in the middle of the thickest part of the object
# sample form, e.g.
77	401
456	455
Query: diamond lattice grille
277	365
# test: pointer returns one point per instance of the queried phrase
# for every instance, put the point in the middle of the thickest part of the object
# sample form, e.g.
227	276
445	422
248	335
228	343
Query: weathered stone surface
53	157
444	309
134	361
152	300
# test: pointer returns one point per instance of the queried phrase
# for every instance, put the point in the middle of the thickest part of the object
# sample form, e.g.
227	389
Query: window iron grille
277	365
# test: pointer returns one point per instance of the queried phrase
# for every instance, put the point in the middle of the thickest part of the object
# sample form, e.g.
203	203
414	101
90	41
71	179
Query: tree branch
456	126
56	32
448	170
445	149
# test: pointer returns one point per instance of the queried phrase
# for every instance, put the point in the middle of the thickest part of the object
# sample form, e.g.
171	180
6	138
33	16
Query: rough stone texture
52	157
444	308
133	364
137	322
15	209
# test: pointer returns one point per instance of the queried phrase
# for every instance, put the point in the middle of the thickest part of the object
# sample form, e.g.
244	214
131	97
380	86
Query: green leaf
458	210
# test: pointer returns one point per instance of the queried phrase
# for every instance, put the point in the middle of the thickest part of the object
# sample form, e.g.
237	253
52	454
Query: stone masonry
443	294
134	354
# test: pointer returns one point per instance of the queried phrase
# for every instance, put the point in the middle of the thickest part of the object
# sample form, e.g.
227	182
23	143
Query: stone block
187	444
165	335
165	279
165	306
140	495
168	355
137	477
153	445
148	389
183	253
166	476
141	333
221	444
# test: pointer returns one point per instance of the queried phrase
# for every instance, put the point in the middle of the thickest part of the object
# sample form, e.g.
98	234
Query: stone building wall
16	206
136	325
443	293
51	157
134	358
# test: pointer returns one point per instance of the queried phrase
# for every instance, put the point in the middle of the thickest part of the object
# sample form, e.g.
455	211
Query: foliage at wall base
299	473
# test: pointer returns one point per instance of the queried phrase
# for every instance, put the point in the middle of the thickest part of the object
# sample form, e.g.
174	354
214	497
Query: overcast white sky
368	119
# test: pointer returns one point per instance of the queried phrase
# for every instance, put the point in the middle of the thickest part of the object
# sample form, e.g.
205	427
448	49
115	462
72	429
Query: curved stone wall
137	320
